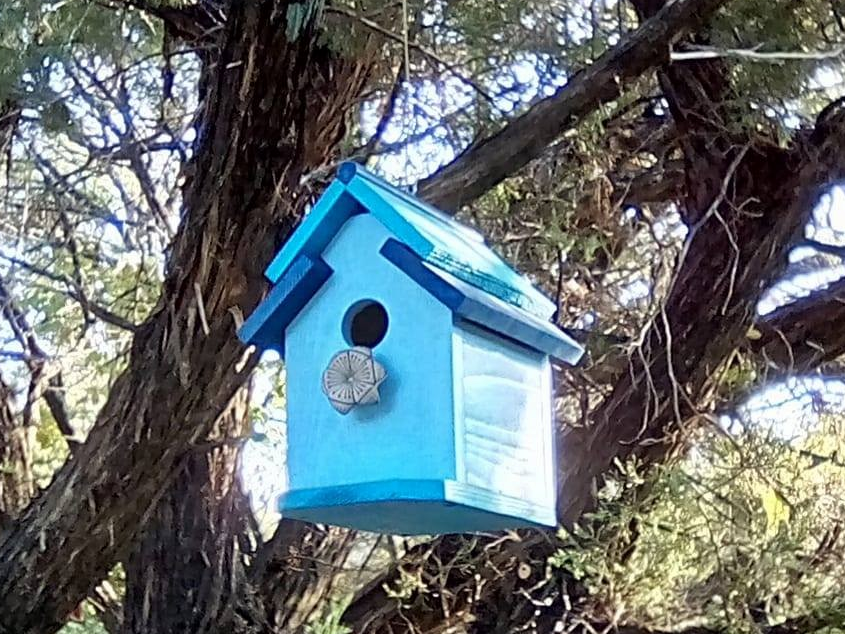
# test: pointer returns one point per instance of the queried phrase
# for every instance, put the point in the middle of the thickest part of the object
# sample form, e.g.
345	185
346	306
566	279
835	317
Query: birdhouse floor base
414	507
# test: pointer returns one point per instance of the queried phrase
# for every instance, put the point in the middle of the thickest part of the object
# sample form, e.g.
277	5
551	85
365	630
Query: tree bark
186	571
747	200
805	333
17	483
10	112
474	584
274	110
296	571
483	165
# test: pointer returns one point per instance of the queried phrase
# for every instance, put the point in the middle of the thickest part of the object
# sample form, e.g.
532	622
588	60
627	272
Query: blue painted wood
266	326
434	236
476	306
318	228
409	433
461	438
375	203
413	507
450	245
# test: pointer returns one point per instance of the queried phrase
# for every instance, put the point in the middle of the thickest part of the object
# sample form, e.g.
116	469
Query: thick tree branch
190	555
194	23
746	202
806	333
485	164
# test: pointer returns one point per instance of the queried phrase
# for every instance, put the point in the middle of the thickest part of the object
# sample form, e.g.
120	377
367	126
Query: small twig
375	142
374	26
822	247
755	55
101	312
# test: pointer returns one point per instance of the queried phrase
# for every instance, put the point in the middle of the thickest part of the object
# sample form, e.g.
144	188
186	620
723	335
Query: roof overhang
478	307
266	326
431	234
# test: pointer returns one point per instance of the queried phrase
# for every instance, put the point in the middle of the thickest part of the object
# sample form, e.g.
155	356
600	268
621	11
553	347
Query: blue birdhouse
418	369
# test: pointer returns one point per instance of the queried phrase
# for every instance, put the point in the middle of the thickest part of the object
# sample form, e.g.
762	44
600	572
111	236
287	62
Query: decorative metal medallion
352	378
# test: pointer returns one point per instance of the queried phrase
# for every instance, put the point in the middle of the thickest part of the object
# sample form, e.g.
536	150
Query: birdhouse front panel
408	433
419	381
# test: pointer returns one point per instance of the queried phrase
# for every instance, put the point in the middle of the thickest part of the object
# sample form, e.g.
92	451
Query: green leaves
35	34
730	528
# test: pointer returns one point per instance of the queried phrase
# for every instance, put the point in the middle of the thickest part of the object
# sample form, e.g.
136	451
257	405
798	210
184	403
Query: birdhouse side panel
503	416
407	432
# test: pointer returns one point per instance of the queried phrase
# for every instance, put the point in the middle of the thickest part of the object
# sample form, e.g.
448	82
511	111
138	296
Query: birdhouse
418	369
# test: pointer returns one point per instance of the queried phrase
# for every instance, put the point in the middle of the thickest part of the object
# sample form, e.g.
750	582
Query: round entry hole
365	324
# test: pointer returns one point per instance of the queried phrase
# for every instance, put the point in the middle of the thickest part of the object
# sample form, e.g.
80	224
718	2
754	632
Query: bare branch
76	294
756	56
37	361
485	164
431	55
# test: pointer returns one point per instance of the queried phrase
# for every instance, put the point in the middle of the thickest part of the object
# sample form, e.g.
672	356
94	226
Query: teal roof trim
474	305
266	326
435	237
315	232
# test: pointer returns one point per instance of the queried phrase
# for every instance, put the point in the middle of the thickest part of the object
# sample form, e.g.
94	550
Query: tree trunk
274	110
17	483
296	572
186	571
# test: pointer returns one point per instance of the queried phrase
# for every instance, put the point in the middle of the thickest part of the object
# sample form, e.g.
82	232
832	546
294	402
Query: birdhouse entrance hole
365	324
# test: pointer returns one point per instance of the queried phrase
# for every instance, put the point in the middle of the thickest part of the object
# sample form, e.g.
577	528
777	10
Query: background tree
666	173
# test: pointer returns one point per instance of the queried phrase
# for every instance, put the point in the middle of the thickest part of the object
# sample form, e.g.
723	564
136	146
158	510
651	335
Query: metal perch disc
352	378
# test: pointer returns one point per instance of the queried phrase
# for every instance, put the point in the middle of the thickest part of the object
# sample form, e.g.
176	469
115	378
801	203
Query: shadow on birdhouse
418	369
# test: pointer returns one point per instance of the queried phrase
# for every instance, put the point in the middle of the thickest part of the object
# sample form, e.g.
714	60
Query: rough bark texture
17	485
747	200
274	110
296	571
10	112
187	568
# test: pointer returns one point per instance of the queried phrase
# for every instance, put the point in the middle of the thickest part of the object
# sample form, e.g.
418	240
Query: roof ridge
349	169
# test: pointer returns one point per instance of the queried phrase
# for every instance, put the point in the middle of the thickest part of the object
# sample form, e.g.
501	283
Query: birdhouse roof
445	257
